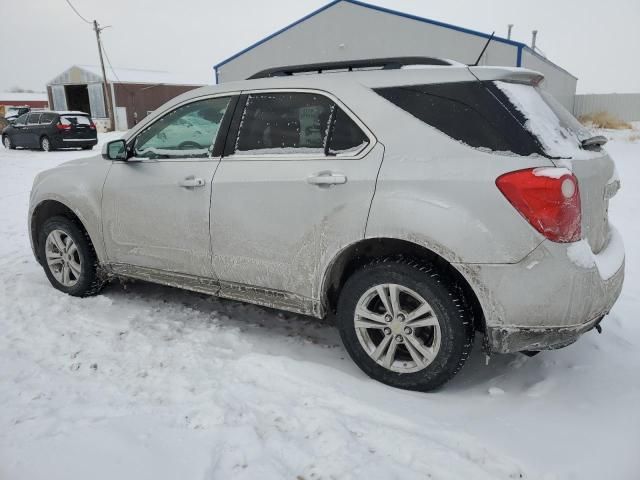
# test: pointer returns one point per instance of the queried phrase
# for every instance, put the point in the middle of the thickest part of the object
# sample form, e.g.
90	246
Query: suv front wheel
403	325
8	144
68	257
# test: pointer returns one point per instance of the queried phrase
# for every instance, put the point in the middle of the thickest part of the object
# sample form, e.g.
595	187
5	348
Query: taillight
92	126
62	127
548	198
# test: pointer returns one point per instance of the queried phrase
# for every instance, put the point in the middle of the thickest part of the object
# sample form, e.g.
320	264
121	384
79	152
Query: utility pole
107	95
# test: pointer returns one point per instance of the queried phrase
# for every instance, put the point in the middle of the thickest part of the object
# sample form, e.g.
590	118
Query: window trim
233	133
151	120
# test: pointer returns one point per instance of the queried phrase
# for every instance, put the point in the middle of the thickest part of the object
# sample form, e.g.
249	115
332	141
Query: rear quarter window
345	137
467	112
47	118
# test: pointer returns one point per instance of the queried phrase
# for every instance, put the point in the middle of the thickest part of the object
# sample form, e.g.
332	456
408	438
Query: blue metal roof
519	45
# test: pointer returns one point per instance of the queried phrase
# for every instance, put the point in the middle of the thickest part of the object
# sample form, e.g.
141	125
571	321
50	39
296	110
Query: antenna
484	49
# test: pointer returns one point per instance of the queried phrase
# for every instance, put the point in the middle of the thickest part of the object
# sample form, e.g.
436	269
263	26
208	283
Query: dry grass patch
604	120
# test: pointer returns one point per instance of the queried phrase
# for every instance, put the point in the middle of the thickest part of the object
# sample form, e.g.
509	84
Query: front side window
188	131
465	111
34	119
21	120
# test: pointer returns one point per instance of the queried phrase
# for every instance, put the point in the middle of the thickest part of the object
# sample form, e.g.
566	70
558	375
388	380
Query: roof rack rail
391	63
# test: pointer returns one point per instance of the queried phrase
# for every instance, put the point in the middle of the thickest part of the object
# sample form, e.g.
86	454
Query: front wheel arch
46	210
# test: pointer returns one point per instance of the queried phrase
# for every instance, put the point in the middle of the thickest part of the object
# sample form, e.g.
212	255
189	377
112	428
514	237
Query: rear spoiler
506	74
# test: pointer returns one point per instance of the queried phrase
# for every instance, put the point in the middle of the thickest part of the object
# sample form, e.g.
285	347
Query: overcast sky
597	41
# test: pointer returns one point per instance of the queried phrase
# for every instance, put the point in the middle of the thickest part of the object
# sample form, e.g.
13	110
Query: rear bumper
550	298
73	142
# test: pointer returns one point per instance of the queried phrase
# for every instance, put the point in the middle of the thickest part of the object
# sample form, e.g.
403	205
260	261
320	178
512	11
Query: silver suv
417	205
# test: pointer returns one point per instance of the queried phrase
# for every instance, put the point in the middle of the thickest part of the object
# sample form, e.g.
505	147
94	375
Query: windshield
558	131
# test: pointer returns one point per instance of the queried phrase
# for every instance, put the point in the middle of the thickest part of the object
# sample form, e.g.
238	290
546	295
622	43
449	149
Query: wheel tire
45	144
8	144
455	319
89	147
89	281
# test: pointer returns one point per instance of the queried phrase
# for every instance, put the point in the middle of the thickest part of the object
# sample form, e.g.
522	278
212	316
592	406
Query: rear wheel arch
48	209
362	253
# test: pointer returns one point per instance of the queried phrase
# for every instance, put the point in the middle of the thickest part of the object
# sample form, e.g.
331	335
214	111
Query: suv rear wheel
68	257
403	325
45	144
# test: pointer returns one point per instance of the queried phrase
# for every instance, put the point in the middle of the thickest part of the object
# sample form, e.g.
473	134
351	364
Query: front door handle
327	178
191	182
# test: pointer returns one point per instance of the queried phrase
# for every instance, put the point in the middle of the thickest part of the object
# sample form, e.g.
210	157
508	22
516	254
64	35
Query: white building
353	30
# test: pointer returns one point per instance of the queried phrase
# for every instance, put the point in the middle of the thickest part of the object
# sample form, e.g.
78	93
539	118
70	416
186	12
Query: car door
18	131
32	131
155	206
293	188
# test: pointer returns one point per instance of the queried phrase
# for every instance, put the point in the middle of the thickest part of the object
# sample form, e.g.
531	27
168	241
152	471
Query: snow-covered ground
146	382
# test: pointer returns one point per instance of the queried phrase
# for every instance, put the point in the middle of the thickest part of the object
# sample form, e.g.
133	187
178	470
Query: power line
106	55
77	13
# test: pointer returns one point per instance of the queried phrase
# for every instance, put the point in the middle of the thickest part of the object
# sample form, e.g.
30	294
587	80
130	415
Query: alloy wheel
397	328
63	258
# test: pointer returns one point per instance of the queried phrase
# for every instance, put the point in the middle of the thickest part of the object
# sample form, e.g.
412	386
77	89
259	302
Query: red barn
21	99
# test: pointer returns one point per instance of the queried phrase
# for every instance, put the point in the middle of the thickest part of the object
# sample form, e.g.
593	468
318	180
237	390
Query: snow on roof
78	74
133	75
23	97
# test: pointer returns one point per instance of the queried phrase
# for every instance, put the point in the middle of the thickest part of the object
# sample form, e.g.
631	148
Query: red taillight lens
62	127
548	198
92	126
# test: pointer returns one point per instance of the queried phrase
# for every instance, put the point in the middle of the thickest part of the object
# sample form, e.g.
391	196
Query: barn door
96	100
59	97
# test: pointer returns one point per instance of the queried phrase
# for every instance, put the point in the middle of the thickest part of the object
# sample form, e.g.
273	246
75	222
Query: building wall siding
558	82
347	32
139	99
624	106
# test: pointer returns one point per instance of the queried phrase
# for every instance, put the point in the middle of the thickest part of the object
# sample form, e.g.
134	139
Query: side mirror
115	150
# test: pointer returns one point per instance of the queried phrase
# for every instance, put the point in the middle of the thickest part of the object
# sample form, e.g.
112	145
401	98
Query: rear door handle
327	178
191	182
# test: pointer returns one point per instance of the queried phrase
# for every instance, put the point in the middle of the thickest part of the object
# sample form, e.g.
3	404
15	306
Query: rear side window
284	123
467	112
293	122
75	120
47	118
34	119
